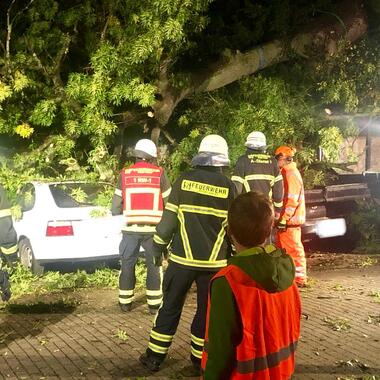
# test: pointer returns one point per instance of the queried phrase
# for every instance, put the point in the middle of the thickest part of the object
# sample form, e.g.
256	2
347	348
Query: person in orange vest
140	194
293	212
254	308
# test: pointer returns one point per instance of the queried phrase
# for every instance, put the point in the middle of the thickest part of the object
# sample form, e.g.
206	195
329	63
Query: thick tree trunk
349	23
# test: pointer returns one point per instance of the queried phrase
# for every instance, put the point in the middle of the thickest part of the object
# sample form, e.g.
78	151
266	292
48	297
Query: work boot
153	310
192	370
125	307
150	362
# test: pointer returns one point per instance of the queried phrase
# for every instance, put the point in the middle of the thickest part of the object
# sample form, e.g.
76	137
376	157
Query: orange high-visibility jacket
293	211
141	192
271	328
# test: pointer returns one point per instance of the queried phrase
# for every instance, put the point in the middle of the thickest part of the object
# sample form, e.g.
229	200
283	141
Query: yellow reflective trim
154	302
166	193
162	337
278	178
144	219
126	292
278	204
118	192
204	210
5	212
196	353
153	292
197	341
158	349
205	189
10	250
255	177
247	187
171	207
125	301
219	241
158	240
198	263
139	228
185	238
236	178
141	170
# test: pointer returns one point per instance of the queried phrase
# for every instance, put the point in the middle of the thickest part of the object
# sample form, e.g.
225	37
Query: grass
337	324
24	282
368	262
375	295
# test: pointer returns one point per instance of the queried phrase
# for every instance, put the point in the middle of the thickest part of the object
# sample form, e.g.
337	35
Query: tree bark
348	23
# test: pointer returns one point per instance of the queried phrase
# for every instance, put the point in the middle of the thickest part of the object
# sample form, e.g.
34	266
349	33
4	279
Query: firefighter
8	235
293	213
141	192
257	170
8	242
254	310
194	222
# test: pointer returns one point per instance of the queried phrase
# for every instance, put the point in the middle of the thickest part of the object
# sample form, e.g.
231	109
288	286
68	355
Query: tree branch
322	36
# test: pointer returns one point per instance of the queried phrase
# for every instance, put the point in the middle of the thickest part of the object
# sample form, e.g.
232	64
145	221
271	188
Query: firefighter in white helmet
141	192
256	170
194	223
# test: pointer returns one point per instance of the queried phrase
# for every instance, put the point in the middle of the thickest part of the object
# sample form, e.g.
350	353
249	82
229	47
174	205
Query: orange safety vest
142	197
271	328
294	211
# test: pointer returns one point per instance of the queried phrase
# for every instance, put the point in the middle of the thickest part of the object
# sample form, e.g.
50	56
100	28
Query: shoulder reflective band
118	192
204	189
278	204
5	212
10	250
236	178
166	193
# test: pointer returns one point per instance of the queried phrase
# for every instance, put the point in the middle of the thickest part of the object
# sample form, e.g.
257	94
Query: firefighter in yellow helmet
293	212
140	194
194	223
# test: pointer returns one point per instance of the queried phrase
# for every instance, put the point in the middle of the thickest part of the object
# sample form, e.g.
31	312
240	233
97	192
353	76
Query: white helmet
214	144
213	151
256	140
145	148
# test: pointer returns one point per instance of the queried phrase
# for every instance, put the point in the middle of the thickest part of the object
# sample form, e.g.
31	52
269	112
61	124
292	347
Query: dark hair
250	219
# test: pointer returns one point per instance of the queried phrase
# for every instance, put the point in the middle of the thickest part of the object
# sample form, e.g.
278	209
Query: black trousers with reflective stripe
177	282
129	250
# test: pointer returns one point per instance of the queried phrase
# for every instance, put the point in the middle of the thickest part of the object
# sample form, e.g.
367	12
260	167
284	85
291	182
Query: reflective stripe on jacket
141	192
195	219
270	328
259	172
294	211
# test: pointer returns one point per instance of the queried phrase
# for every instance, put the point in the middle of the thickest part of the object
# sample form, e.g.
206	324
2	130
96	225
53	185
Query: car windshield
82	194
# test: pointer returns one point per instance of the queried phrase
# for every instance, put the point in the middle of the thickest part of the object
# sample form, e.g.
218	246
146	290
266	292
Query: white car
66	222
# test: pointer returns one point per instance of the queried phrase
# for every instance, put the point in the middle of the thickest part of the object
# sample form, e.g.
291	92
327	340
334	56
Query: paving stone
84	344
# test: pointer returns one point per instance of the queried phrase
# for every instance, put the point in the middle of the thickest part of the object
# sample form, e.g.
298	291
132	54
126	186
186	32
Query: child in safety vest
254	310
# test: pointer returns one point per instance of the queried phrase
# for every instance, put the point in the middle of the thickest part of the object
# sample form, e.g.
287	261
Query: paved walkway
94	340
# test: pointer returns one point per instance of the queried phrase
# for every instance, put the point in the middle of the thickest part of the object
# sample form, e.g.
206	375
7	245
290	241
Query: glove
159	253
11	259
5	286
281	225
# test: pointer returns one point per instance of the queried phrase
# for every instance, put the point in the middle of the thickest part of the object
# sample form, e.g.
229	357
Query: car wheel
27	257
